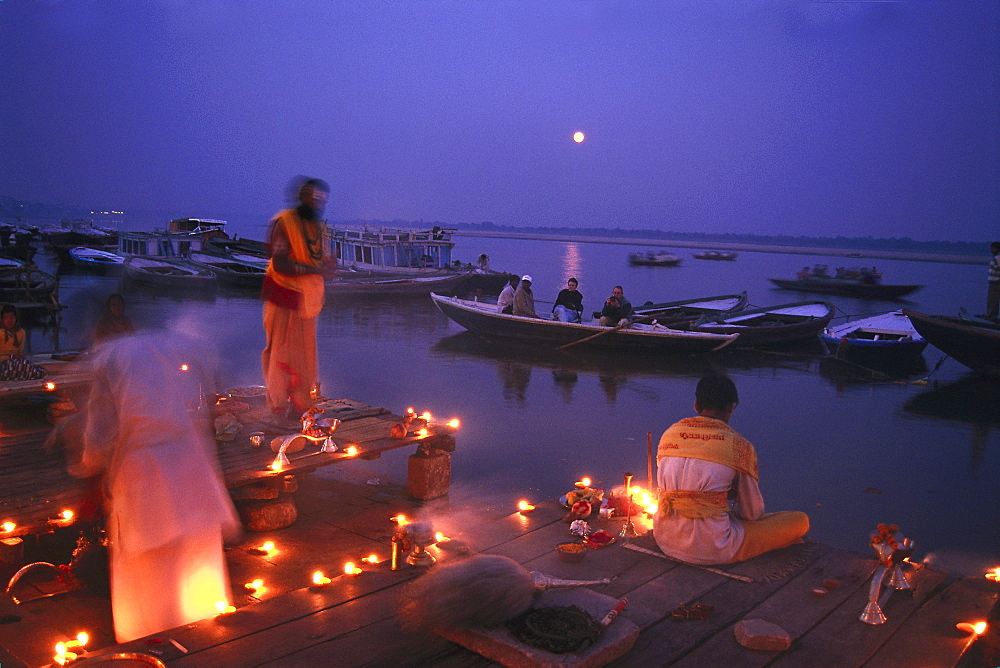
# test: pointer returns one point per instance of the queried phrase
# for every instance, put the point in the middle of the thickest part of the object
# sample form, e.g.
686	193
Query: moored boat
392	251
230	271
484	319
25	284
653	259
715	255
884	339
845	286
769	325
96	260
974	343
170	273
411	286
692	309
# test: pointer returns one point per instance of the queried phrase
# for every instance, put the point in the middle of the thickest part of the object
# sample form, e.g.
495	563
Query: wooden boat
974	343
96	260
845	286
168	273
715	255
771	325
229	271
483	318
880	340
393	251
25	284
414	286
691	309
653	259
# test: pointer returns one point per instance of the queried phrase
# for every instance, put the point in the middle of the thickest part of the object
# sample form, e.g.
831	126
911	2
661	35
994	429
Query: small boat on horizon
653	259
850	287
715	255
881	340
483	318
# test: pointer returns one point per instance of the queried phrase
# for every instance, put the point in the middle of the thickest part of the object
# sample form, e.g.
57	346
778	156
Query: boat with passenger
483	318
863	283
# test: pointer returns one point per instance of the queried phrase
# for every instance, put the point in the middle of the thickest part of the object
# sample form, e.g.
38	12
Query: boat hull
230	272
975	345
883	340
484	320
157	272
349	287
96	261
691	309
840	286
774	325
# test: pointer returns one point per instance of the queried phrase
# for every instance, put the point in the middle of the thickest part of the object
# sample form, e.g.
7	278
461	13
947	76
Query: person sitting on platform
114	322
524	299
11	334
701	462
505	303
617	310
569	303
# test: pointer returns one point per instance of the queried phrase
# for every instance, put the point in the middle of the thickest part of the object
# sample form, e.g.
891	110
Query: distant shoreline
854	254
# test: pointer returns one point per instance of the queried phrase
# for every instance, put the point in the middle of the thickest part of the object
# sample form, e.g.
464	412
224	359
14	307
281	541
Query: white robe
167	507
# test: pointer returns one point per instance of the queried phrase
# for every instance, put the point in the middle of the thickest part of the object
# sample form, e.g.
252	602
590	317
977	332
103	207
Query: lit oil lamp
583	483
63	655
454	423
524	507
320	580
82	638
351	450
993	574
978	628
223	608
373	558
7	527
400	519
67	515
351	569
50	386
255	587
426	416
185	367
440	537
263	550
422	432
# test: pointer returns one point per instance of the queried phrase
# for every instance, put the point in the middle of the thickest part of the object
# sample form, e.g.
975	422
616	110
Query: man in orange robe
293	298
701	463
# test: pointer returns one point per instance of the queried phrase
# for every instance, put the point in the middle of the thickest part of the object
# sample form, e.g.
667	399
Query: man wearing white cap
524	299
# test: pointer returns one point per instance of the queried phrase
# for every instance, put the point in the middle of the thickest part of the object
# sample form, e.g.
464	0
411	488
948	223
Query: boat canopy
393	248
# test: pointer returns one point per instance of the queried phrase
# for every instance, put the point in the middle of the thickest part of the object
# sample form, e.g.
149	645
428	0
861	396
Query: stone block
428	476
268	514
758	634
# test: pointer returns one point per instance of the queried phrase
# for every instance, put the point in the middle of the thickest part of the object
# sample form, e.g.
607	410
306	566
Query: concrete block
428	476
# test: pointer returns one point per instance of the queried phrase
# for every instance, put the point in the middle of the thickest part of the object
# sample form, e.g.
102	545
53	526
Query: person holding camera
617	311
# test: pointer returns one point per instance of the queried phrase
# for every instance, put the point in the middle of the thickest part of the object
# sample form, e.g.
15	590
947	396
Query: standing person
569	303
700	461
114	322
167	511
293	297
11	335
617	311
993	283
524	299
505	302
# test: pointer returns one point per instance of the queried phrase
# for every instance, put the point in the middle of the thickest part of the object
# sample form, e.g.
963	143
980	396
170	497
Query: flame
651	508
524	506
976	628
635	489
400	519
50	386
267	547
352	450
82	638
320	579
440	538
993	574
426	415
60	650
454	423
276	465
979	628
410	411
255	586
583	482
7	527
185	367
422	432
224	607
351	569
67	514
371	559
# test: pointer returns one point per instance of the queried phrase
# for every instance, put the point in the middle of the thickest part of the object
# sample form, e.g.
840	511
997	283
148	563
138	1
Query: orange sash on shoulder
309	286
710	440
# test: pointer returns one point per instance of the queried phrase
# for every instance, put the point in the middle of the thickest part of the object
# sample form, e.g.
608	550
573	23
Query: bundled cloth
18	368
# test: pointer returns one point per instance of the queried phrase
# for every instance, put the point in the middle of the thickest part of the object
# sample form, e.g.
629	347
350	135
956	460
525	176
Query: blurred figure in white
167	511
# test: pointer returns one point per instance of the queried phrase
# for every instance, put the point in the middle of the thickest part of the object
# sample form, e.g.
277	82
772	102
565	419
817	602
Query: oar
606	331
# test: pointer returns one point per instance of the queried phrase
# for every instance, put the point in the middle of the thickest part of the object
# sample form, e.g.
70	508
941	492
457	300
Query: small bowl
572	552
254	395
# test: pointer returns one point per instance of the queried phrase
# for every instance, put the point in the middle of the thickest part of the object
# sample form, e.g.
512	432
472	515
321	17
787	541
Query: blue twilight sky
818	118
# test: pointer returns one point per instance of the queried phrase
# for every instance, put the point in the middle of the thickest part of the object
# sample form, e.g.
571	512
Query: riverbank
854	254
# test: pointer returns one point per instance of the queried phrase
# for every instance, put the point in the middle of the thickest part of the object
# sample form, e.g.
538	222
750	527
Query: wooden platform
353	621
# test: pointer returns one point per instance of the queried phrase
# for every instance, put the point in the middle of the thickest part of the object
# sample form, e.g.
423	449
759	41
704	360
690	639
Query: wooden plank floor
353	621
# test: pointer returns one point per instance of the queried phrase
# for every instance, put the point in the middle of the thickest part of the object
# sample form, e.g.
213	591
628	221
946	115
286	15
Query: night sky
812	118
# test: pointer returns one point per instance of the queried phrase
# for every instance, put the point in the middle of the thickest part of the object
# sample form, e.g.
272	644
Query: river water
849	451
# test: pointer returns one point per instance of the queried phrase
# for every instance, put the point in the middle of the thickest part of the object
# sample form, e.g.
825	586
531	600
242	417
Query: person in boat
505	302
524	299
12	335
293	295
805	272
483	263
617	311
569	303
701	463
993	283
114	323
152	460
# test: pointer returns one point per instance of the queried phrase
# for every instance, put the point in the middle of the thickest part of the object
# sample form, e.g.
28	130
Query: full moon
578	137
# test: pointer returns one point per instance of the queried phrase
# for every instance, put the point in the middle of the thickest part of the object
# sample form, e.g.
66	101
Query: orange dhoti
289	361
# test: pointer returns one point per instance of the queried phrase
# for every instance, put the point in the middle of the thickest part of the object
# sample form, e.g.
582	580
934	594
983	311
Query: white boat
172	273
885	338
96	260
393	251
